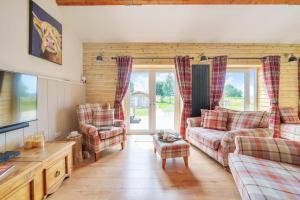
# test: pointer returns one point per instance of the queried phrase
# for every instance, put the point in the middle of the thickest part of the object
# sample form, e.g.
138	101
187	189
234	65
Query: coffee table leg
164	163
186	161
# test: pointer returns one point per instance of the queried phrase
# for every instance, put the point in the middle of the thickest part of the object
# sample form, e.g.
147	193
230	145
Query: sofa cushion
109	133
290	131
289	116
264	179
103	117
246	120
209	137
215	120
264	123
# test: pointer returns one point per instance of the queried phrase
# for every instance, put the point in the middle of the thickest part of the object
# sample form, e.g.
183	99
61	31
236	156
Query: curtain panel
219	66
299	87
183	75
271	71
124	67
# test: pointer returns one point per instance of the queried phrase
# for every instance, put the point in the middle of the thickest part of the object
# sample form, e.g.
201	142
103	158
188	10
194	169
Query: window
240	90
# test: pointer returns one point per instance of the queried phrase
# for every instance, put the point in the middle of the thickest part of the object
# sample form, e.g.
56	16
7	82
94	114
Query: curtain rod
152	58
239	58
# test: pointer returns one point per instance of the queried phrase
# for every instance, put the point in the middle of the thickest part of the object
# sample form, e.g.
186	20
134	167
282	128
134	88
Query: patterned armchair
108	132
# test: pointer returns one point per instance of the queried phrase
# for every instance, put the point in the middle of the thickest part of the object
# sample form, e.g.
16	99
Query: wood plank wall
101	77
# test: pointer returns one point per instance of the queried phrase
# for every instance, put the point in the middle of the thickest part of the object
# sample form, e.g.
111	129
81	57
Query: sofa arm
227	141
88	129
193	121
278	150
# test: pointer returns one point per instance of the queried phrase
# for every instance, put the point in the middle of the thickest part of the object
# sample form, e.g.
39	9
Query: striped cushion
290	131
289	116
106	134
215	120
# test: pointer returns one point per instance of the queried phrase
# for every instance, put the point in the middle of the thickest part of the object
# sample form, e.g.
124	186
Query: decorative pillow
215	120
231	114
203	111
264	123
289	116
246	120
103	117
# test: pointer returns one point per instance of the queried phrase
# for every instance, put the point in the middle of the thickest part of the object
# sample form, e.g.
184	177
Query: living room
149	99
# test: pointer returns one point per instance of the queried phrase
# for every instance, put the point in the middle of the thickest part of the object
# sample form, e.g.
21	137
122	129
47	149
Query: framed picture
45	37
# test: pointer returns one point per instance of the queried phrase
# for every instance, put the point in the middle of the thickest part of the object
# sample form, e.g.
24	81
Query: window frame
247	82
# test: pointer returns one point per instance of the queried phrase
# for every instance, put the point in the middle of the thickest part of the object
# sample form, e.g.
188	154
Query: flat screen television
18	98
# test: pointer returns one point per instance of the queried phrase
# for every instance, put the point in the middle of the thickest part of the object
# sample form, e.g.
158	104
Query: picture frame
45	35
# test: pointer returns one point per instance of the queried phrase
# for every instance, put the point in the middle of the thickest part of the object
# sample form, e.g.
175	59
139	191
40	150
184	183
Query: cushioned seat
106	134
264	179
290	131
209	137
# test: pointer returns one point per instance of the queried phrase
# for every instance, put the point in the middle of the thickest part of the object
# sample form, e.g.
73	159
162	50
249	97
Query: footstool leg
164	163
154	150
186	161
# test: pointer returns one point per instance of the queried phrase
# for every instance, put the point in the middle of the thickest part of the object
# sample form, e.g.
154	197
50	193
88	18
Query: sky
141	80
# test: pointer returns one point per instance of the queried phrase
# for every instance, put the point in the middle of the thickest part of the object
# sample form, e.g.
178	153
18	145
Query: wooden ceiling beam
169	2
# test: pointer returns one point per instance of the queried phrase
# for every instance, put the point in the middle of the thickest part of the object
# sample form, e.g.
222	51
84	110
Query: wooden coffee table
176	149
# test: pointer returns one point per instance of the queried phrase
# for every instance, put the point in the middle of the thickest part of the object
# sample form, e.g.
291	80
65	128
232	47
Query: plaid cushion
176	149
103	117
215	120
203	111
246	120
209	137
194	121
278	150
264	123
85	112
104	144
289	116
231	114
114	131
290	131
263	179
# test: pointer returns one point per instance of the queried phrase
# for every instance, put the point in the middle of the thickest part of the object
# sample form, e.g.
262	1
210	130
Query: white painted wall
59	87
14	42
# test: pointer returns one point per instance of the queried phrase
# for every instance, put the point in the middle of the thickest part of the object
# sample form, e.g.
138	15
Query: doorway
152	101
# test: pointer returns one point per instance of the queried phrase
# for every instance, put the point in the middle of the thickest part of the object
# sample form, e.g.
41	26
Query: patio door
152	101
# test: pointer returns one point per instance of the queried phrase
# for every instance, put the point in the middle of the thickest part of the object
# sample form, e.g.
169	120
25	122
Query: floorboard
136	173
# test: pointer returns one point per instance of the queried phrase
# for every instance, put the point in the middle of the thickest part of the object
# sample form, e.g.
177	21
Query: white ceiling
158	23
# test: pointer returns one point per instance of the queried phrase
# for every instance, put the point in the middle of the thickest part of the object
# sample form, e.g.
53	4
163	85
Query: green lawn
165	107
235	103
28	104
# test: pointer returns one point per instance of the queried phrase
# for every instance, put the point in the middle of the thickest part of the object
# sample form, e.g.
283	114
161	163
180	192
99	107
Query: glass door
165	101
139	102
152	101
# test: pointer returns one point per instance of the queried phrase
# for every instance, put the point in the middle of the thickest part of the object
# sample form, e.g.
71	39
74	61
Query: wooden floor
136	173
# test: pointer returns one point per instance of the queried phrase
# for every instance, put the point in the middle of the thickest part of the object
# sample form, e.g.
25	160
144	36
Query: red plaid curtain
219	66
183	74
271	70
124	65
299	87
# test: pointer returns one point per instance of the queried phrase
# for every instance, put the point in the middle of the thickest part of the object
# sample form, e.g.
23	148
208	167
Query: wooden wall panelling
101	77
43	106
56	111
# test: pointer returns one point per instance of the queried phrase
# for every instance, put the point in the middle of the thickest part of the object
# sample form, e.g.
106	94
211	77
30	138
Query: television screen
18	98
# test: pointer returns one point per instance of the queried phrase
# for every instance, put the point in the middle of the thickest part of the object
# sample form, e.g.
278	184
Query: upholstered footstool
176	149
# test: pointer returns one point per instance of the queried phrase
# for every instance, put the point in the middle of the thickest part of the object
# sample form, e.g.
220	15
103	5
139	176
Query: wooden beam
169	2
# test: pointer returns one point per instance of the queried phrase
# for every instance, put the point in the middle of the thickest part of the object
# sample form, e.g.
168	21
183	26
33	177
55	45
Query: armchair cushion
106	134
278	150
85	112
103	117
